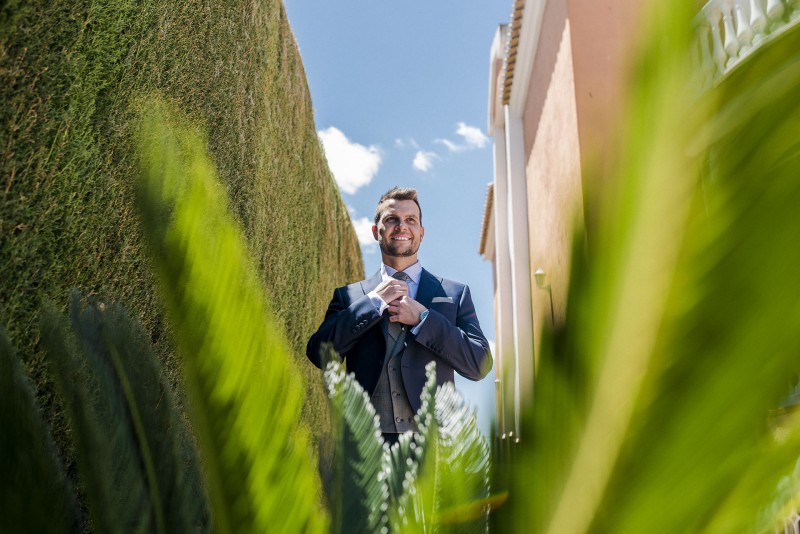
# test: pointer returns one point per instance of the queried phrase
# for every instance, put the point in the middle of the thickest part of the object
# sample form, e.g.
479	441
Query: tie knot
400	275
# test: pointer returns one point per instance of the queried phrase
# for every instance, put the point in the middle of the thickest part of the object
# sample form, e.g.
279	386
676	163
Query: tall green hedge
72	77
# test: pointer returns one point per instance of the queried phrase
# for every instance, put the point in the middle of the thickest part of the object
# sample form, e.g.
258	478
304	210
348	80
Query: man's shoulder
448	284
365	285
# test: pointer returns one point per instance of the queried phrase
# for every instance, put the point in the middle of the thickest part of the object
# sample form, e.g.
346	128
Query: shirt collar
414	271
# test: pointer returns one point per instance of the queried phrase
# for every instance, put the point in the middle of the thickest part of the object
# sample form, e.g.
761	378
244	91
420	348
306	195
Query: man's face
399	230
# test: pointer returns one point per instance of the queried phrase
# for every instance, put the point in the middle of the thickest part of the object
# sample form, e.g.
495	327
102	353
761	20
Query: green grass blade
361	496
245	396
30	471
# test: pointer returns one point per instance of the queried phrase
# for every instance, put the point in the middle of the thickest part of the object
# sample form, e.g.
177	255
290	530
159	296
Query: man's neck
399	263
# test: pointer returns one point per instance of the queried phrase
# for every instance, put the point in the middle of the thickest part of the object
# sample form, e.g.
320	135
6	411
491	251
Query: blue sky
400	97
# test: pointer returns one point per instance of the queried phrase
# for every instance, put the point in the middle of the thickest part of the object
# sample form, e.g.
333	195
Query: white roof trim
531	28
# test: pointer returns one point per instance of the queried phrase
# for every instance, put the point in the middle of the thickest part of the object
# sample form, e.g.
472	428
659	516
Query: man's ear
375	233
421	233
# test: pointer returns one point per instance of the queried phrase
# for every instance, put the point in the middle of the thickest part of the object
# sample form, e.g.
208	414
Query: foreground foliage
652	402
245	394
139	466
437	480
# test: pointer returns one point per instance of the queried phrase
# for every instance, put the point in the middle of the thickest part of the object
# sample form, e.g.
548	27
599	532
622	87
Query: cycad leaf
411	510
31	474
115	344
245	396
686	331
106	452
463	483
446	484
361	494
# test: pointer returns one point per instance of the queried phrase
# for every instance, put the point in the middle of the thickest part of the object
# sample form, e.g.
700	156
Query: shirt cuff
378	302
415	330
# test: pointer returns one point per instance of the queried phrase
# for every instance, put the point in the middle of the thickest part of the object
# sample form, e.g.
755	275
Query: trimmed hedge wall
71	77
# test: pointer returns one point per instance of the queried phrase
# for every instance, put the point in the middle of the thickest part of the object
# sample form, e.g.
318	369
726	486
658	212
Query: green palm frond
400	465
106	450
411	507
446	487
683	334
114	344
31	474
463	483
245	396
360	495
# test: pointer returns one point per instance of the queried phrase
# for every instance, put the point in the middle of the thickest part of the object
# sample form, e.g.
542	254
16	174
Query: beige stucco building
556	82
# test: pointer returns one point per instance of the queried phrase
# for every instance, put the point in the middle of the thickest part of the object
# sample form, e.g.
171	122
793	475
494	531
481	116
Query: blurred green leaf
245	396
30	471
652	399
115	346
107	453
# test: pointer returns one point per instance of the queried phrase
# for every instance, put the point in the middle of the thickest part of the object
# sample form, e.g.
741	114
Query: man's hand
405	310
391	290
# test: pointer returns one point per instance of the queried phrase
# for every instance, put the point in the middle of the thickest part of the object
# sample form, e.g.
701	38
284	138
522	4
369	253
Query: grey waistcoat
389	398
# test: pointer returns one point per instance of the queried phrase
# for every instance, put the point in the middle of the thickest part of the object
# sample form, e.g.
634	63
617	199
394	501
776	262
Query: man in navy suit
388	327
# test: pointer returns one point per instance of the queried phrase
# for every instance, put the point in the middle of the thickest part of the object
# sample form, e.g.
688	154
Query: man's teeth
401	238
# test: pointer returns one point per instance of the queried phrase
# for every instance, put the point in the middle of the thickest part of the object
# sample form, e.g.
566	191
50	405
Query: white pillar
520	262
505	369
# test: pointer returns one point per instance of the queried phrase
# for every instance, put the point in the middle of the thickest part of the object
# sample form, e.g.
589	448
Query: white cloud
353	165
423	161
405	143
451	146
363	228
472	136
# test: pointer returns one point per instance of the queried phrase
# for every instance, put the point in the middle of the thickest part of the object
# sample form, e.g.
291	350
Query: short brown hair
398	193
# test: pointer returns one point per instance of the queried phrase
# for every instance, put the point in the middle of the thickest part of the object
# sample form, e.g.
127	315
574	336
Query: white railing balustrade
728	30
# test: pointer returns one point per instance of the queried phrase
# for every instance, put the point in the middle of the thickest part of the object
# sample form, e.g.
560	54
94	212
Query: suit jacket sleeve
343	325
462	345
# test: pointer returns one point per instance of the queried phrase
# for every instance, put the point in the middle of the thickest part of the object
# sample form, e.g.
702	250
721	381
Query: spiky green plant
244	394
652	399
448	488
31	474
361	494
437	480
137	462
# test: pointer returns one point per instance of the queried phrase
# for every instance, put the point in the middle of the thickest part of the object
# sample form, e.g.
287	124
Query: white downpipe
519	246
506	367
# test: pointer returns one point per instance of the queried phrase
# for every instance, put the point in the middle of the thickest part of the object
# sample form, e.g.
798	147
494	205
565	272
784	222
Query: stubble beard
393	250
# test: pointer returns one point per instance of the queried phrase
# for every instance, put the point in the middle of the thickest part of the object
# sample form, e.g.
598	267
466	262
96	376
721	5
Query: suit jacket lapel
429	287
371	283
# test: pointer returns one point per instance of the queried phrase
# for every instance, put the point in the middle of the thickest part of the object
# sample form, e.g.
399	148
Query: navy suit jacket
450	335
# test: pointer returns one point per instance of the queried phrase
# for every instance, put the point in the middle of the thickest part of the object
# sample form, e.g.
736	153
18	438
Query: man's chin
398	253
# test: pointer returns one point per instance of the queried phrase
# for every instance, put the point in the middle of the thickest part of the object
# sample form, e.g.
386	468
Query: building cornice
486	247
521	52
